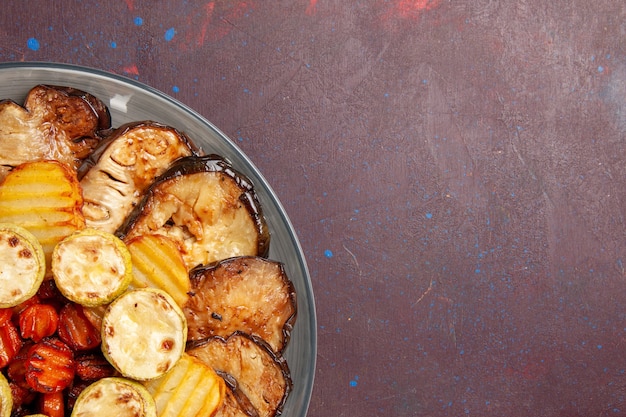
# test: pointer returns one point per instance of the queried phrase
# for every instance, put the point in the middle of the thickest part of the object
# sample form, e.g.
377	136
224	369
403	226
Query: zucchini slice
91	267
22	265
6	399
143	333
116	397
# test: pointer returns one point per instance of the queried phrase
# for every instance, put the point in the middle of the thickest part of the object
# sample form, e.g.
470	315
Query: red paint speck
130	4
410	8
310	10
131	69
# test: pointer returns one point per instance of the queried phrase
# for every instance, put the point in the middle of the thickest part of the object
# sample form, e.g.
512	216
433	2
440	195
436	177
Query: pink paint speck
131	69
310	9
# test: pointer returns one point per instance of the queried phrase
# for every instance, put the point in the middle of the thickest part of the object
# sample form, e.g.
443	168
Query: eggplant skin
55	122
249	294
123	165
208	208
259	378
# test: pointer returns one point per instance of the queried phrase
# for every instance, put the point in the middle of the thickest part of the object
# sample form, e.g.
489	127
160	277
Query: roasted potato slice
158	263
249	294
55	123
262	376
45	198
123	165
210	210
190	389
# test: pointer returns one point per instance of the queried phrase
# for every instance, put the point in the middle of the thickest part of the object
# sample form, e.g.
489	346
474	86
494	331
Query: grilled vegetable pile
134	277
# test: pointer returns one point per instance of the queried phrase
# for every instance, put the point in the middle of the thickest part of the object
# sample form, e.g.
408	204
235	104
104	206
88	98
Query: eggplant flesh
249	294
210	210
60	123
123	166
262	377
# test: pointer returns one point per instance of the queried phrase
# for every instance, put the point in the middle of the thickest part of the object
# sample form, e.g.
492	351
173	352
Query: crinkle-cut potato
157	263
210	210
44	197
123	165
261	375
190	389
58	123
248	294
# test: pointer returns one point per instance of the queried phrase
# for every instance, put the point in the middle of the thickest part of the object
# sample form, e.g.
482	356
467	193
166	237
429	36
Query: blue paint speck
599	346
355	381
429	215
600	68
113	45
138	21
175	89
328	253
169	34
33	44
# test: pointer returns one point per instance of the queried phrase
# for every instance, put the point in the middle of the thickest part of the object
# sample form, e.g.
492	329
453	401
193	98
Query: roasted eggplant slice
261	375
123	165
210	210
249	294
55	123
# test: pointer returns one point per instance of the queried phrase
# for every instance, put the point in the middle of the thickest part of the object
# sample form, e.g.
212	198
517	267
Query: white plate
129	100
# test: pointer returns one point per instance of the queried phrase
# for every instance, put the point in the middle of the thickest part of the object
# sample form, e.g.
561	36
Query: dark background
455	170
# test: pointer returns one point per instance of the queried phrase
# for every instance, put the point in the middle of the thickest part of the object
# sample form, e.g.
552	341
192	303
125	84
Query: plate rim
68	67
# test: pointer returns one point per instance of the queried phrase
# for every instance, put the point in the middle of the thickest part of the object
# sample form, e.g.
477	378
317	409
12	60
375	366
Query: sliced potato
143	333
119	170
206	207
91	267
262	376
115	397
45	198
6	399
249	294
158	263
22	265
190	389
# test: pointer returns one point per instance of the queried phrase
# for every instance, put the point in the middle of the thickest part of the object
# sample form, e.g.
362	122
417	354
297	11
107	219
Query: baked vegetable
22	265
6	399
158	263
55	122
249	294
210	210
45	198
143	333
123	165
190	389
261	375
91	267
115	397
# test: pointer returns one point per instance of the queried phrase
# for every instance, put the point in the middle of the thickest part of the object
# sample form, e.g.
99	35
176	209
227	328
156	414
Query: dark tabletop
455	171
